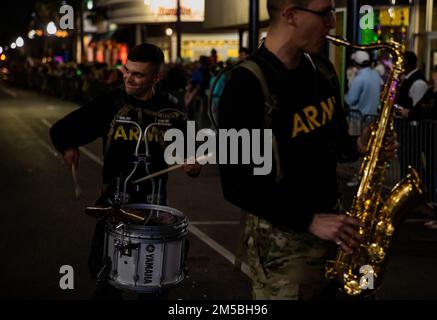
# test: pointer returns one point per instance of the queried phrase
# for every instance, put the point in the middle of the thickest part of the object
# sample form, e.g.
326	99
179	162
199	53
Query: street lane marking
217	247
46	123
8	91
49	148
23	126
85	151
192	228
91	155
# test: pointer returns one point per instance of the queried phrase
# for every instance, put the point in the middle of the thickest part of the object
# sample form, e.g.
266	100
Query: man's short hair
275	7
147	52
410	60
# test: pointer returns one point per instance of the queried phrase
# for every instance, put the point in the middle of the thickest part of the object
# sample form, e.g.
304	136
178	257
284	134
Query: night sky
14	20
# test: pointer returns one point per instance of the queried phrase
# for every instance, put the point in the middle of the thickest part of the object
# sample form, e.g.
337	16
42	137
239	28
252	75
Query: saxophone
361	272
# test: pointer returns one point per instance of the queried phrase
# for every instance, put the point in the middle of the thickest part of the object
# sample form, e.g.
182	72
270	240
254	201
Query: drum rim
154	207
171	231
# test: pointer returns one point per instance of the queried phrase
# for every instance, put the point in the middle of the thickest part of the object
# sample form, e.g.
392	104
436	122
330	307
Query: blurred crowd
189	82
68	81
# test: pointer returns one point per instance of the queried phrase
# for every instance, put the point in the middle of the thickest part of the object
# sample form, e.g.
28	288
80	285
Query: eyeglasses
326	15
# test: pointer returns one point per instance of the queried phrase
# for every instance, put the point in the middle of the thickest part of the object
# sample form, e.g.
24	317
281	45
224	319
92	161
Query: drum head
157	222
153	217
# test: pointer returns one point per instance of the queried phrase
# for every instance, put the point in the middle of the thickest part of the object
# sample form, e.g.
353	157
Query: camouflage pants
285	265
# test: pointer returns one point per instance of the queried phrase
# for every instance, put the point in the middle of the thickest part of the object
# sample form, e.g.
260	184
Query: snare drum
147	258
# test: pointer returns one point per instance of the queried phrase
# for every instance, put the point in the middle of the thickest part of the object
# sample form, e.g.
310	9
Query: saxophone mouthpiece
337	40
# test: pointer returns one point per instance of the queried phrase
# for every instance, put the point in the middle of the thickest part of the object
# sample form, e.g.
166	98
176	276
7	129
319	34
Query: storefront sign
166	10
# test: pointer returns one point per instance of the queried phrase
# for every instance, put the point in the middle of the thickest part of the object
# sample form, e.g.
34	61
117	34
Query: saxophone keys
385	228
376	252
390	230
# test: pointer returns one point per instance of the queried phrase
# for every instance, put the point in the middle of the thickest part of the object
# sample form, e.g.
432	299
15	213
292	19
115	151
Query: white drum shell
147	258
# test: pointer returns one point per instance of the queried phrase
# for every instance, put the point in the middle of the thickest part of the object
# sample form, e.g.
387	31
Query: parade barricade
418	148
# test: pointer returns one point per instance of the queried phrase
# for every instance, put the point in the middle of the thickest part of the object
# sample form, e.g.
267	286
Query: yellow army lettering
153	134
312	121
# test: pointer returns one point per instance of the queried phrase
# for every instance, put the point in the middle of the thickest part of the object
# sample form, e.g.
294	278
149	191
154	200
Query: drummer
139	101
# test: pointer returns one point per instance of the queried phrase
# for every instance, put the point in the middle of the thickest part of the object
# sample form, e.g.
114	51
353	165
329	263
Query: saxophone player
293	223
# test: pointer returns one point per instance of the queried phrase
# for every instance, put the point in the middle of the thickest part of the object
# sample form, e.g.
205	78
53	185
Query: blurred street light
169	32
51	28
31	34
19	42
90	4
1	50
13	45
3	57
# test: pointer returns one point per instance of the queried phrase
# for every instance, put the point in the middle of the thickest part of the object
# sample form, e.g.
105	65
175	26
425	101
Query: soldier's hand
391	146
401	111
404	112
192	170
71	157
341	229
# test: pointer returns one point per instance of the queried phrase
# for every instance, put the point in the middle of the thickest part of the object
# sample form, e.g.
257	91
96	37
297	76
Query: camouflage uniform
286	265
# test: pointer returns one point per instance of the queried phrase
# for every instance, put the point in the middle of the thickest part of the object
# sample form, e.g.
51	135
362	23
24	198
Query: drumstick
156	174
172	168
77	190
